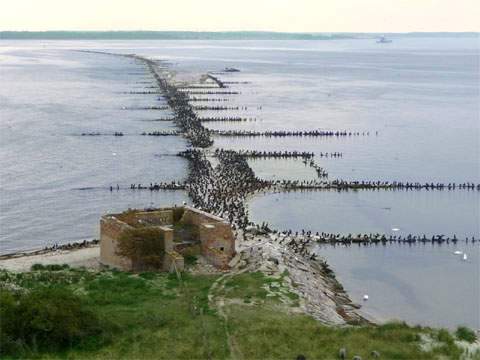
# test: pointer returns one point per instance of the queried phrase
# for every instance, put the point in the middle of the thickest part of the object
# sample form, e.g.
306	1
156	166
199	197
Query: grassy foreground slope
156	315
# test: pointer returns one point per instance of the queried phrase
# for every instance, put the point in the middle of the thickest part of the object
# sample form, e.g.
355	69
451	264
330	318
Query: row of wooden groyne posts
241	133
277	154
198	135
224	189
303	243
371	185
216	119
338	185
281	133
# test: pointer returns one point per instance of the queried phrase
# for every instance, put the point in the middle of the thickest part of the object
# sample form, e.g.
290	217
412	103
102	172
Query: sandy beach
88	257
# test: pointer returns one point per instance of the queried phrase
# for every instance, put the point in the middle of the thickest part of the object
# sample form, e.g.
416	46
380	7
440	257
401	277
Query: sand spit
88	257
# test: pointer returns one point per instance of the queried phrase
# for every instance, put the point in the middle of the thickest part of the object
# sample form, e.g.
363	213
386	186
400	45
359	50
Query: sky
225	15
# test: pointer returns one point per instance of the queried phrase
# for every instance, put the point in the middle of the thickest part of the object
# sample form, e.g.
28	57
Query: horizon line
256	31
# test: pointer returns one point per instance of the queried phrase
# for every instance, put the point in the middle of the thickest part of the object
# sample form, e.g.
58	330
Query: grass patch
150	315
246	286
157	316
257	286
266	333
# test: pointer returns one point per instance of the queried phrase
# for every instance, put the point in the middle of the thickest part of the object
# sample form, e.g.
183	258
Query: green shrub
37	267
49	267
190	259
46	319
130	217
177	214
466	334
444	336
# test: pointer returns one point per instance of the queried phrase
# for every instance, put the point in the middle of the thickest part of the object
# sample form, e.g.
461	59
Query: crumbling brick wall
217	243
110	230
215	237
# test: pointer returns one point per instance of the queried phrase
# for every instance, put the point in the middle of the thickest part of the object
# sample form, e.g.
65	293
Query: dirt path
216	300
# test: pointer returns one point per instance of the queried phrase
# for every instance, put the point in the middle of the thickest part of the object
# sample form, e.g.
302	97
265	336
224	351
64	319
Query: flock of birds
223	189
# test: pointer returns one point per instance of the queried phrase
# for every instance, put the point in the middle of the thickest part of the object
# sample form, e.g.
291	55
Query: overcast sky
220	15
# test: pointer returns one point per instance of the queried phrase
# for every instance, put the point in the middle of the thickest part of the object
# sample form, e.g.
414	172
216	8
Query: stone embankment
322	296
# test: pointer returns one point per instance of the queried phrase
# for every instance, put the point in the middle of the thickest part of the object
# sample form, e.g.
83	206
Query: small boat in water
383	40
231	69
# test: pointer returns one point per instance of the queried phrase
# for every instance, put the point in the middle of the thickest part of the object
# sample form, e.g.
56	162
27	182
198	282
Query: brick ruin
206	235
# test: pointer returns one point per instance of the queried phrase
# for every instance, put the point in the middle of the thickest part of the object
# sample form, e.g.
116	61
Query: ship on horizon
383	40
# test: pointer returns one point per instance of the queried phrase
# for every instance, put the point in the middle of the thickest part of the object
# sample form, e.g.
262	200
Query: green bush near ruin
158	315
50	267
177	214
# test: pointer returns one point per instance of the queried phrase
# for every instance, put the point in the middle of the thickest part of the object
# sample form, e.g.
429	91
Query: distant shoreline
209	35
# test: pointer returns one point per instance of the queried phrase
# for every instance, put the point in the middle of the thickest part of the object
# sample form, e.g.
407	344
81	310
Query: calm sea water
421	95
427	285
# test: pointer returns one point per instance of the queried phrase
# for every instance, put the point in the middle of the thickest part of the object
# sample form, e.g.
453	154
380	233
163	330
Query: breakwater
147	108
279	133
161	133
215	108
226	119
211	92
304	243
184	116
173	185
223	189
371	185
270	154
197	99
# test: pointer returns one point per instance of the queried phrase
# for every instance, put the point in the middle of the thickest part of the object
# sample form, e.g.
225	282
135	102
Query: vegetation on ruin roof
150	315
130	217
177	213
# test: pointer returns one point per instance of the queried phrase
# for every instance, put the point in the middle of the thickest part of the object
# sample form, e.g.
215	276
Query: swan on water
465	257
365	297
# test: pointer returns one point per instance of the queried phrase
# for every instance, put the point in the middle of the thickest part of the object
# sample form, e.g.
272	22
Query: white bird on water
465	257
458	252
365	297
